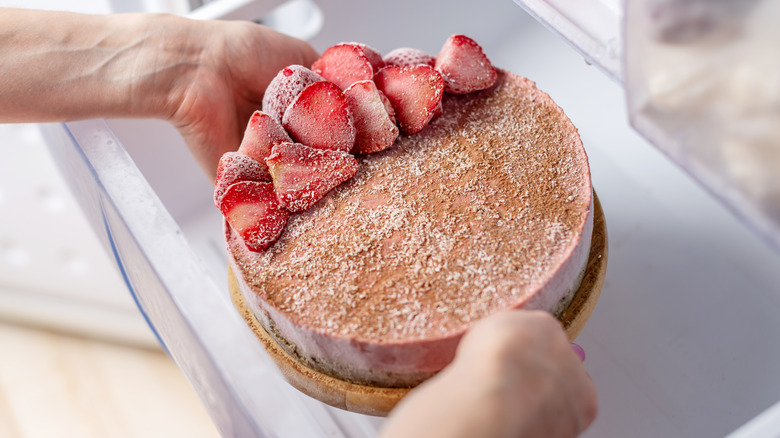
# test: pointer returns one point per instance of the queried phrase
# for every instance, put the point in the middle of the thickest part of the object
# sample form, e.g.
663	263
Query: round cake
488	208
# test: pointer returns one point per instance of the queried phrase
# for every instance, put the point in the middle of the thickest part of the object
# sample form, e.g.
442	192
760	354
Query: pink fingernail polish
580	352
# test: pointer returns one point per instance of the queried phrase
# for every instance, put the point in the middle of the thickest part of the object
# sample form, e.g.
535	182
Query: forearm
58	66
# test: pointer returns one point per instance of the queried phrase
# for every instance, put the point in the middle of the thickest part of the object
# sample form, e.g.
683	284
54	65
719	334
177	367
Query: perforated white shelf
53	271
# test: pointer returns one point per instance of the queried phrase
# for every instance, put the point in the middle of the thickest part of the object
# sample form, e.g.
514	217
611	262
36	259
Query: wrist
157	57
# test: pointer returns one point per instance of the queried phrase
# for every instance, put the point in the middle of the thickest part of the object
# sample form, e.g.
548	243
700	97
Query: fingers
236	62
294	51
257	53
586	403
528	351
515	374
578	351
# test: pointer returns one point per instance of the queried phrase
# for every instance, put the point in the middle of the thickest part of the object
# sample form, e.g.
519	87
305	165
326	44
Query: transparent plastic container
702	84
593	27
183	296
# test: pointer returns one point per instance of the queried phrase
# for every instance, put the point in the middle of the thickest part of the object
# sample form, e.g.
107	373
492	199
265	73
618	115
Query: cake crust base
379	401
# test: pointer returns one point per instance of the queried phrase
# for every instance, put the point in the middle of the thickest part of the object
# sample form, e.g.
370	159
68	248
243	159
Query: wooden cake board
379	401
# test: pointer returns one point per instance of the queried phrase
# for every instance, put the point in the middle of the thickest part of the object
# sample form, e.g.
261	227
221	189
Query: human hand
514	375
211	103
205	77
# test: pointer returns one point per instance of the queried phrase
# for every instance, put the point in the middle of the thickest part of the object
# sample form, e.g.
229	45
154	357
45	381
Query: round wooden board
379	401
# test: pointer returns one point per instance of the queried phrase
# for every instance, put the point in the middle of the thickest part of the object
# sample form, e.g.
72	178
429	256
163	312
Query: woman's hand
212	103
205	77
514	375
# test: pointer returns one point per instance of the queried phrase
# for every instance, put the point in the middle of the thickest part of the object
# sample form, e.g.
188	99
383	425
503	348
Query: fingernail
580	352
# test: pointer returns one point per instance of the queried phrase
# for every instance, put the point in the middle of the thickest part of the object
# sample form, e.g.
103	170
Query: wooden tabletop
55	385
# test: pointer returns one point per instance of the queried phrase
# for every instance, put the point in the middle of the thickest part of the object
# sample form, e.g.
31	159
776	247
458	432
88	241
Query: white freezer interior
683	341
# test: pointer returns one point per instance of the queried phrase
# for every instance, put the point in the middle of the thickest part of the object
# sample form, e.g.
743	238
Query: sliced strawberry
236	167
373	55
252	210
346	63
464	66
320	117
262	132
303	175
415	92
375	128
405	57
285	87
388	105
438	111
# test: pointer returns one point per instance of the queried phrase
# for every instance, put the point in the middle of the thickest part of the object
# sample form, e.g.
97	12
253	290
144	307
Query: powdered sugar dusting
405	56
467	217
285	87
234	167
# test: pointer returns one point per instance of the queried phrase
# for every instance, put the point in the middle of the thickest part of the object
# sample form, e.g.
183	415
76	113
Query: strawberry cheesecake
443	190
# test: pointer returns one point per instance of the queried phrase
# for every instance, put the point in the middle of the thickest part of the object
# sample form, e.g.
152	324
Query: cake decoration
305	110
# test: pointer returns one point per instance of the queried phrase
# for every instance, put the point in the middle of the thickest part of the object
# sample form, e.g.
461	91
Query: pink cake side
488	208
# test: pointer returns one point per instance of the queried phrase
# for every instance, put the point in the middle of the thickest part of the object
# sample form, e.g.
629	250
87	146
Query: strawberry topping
415	93
262	132
320	117
285	87
303	175
373	55
346	63
252	210
271	175
375	127
464	66
405	57
236	167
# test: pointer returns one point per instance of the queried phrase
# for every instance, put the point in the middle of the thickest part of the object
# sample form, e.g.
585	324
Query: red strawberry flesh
252	210
344	64
285	87
415	93
236	167
373	55
262	132
375	128
464	66
320	117
303	175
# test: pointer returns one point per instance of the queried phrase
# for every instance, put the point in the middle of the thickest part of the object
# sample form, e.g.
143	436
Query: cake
488	207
